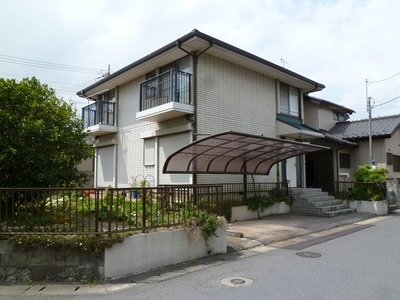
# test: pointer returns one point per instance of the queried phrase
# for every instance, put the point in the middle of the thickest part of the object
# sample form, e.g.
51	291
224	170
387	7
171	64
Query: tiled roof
381	127
336	139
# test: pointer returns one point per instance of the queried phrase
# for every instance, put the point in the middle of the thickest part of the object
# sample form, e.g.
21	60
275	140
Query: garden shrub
370	184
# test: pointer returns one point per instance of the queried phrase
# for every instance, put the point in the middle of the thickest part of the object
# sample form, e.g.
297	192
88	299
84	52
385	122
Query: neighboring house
324	167
385	135
191	88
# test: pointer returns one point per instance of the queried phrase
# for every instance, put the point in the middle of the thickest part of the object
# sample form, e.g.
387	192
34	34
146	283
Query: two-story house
194	87
324	167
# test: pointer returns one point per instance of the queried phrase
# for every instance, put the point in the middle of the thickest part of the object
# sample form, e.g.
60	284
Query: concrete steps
315	202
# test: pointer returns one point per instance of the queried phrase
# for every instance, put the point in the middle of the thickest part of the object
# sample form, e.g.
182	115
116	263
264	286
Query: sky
350	46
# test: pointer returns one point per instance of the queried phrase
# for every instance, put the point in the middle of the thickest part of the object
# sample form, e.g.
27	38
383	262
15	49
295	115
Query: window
149	152
181	65
288	100
389	158
396	163
344	160
151	87
339	116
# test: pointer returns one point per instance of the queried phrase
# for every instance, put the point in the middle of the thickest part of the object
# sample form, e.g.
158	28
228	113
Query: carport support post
245	187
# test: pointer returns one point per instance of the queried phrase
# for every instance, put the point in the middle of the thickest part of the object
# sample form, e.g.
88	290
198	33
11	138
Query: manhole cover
236	281
309	254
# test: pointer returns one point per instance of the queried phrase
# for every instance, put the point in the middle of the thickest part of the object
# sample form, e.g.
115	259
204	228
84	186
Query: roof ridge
376	118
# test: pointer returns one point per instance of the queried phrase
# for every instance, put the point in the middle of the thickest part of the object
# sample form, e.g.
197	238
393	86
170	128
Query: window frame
396	163
286	97
345	160
337	116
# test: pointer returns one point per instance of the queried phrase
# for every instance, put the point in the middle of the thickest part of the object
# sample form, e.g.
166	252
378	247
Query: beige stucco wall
311	114
392	145
318	116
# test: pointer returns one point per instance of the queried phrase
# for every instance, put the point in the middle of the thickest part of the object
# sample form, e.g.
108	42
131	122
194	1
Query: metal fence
239	193
94	211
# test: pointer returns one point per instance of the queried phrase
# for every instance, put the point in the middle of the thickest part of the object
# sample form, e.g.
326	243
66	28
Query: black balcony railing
100	112
171	86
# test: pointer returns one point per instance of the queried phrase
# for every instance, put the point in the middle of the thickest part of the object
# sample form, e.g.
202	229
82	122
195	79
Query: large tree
42	139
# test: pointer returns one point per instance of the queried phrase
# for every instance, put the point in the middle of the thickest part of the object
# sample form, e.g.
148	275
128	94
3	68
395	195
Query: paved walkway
271	229
245	238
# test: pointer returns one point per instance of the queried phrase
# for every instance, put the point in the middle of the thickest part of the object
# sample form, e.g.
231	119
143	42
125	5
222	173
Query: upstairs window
289	100
339	116
181	65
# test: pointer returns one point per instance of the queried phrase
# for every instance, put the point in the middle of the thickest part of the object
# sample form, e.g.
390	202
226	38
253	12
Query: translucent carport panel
234	153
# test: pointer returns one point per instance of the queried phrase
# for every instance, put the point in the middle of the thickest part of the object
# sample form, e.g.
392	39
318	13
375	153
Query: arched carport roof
234	153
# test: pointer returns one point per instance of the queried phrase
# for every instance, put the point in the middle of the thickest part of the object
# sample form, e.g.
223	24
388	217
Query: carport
235	153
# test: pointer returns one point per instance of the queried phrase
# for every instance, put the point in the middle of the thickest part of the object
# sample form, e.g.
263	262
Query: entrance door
319	170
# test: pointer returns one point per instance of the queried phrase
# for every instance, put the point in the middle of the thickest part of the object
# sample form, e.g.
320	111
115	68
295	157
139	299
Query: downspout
195	62
116	116
337	162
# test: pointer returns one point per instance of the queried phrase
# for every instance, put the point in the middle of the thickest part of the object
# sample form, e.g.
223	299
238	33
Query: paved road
358	261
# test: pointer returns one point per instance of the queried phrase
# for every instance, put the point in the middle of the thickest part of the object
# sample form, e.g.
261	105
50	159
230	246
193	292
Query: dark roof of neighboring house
383	127
212	43
330	138
334	106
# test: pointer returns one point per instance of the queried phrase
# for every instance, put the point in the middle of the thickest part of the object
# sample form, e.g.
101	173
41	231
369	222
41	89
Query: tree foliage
370	184
42	139
366	173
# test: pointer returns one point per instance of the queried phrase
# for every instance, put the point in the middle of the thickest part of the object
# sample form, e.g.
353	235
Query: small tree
370	183
42	139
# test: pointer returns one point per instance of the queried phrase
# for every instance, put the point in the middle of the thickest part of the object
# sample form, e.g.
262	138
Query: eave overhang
197	42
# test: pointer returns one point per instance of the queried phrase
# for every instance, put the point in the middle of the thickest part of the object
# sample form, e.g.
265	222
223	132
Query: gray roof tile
381	127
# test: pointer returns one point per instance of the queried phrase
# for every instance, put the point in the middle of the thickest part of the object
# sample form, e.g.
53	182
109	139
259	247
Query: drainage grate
236	281
308	254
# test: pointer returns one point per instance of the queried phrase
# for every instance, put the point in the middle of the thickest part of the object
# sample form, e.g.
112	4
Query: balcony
99	118
166	96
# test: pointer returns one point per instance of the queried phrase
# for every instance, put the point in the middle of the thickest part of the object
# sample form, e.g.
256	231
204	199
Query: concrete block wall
136	254
47	265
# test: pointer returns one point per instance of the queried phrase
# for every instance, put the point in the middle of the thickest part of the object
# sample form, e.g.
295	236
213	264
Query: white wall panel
105	166
168	145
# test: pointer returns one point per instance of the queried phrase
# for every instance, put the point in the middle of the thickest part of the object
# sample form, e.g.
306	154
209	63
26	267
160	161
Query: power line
387	101
48	65
44	51
385	78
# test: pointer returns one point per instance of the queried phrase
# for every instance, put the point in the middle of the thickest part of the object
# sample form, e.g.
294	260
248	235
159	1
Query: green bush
367	173
369	184
260	203
93	244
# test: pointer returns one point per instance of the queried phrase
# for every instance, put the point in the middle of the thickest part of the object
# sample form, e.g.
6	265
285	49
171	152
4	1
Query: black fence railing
239	193
94	211
171	86
100	112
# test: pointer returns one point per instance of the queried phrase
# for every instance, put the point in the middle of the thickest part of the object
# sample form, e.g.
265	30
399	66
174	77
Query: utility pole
369	110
